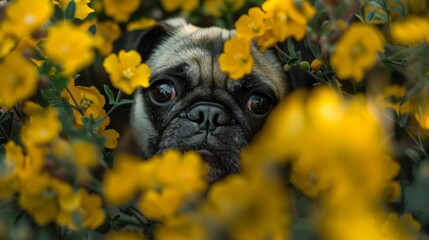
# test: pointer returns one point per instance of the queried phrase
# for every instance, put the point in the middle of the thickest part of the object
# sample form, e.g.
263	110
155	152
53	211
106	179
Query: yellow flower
41	128
141	23
107	33
287	18
82	8
122	182
23	17
185	5
357	51
413	30
316	64
46	198
391	98
20	165
125	235
181	228
69	46
182	172
111	135
126	71
92	207
422	114
250	208
404	227
216	7
86	154
18	79
160	205
236	59
6	43
89	100
120	10
347	164
251	25
32	108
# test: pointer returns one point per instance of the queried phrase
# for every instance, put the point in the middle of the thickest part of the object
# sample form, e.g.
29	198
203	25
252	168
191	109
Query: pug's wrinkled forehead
195	51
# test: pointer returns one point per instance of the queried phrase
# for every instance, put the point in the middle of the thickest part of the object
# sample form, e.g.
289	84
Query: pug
191	105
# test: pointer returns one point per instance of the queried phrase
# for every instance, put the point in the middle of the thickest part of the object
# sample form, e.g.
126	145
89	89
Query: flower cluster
276	21
41	171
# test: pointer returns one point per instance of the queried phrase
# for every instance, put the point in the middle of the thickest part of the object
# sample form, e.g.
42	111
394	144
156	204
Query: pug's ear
145	40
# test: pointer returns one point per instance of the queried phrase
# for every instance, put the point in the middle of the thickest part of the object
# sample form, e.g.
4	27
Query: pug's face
192	105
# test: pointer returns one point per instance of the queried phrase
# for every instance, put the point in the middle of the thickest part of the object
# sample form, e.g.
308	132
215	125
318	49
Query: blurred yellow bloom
106	35
82	8
122	182
6	43
23	17
250	208
120	11
126	71
86	154
357	51
422	114
125	235
92	208
181	228
20	165
160	205
41	128
32	108
337	147
185	173
413	30
354	225
46	198
184	5
287	18
405	227
18	79
236	58
89	100
141	23
391	97
251	25
73	52
217	7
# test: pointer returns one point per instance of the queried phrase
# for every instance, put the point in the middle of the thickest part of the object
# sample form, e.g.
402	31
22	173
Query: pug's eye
163	92
259	103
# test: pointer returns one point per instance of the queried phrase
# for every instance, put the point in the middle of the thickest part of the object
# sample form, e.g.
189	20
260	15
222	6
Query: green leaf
109	94
125	101
403	119
58	13
93	29
377	4
60	83
413	155
411	92
70	10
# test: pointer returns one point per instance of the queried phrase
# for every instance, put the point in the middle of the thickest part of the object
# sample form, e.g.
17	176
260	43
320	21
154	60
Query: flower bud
316	64
287	67
304	65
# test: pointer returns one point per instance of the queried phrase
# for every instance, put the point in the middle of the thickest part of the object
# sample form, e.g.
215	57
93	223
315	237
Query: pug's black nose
209	116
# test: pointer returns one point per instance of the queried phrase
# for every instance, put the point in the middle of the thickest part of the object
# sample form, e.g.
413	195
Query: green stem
3	132
74	101
115	105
